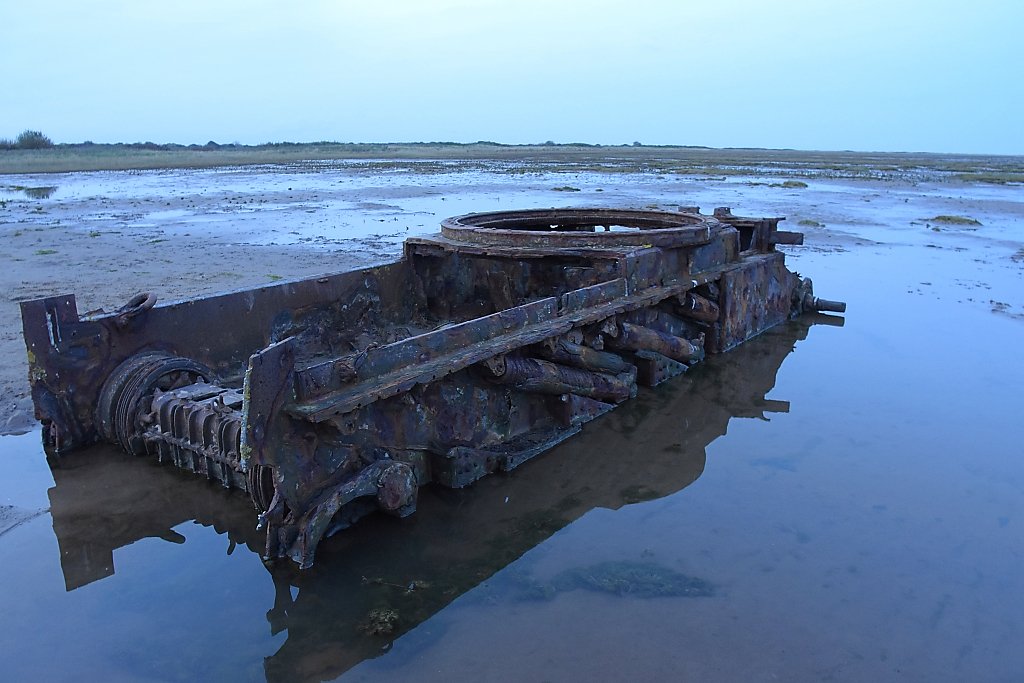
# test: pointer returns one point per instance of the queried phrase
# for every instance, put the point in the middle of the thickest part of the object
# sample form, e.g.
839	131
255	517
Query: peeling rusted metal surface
485	345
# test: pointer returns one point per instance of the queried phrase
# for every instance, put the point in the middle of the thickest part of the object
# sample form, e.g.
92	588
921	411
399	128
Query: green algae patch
635	579
954	220
380	621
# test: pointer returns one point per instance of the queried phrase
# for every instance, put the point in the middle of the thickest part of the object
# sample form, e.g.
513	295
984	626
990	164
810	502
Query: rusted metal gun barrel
804	298
826	305
697	307
580	356
543	377
638	338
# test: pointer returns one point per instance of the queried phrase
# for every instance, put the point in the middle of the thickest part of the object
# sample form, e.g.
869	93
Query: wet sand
851	497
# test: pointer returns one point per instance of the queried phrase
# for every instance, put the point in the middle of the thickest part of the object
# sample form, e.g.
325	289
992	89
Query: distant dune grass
549	157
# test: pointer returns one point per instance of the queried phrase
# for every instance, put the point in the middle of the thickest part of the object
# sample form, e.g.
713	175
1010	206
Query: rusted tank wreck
485	345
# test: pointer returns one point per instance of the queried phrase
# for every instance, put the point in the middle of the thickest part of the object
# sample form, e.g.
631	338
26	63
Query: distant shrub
6	143
33	139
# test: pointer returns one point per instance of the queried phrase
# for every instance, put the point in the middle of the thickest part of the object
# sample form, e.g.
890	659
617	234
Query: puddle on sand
863	526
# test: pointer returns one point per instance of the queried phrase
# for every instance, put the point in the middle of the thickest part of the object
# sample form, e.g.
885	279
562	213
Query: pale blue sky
914	75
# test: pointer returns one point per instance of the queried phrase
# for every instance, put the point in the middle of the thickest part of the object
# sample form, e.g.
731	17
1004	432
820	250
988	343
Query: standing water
823	503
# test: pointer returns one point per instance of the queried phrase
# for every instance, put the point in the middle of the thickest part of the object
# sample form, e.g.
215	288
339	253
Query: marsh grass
440	157
992	178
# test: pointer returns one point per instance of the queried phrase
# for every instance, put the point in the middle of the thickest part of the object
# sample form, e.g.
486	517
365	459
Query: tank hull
485	345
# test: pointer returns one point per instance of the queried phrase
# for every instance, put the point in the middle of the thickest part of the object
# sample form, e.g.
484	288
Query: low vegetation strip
549	157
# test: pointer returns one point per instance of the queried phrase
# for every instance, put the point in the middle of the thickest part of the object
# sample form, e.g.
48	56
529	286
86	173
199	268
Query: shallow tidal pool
826	502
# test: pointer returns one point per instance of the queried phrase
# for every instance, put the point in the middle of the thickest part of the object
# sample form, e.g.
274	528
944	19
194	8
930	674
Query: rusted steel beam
785	237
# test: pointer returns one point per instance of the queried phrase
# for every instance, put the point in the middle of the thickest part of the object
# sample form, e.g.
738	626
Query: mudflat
105	235
822	502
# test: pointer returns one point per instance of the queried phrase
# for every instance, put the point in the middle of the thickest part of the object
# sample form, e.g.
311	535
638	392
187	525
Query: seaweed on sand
636	579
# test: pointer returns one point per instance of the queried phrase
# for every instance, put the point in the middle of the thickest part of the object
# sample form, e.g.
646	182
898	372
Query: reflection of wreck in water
651	447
